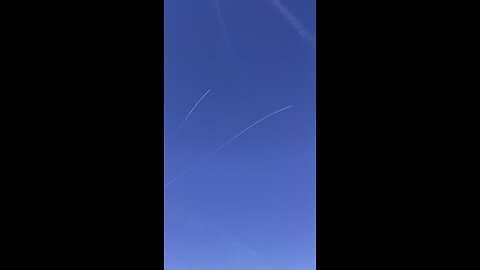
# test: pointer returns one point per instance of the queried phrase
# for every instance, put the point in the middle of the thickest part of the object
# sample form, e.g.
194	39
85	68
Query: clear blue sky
251	205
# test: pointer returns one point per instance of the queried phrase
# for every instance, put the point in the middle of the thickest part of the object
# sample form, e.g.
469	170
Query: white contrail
188	115
223	145
301	29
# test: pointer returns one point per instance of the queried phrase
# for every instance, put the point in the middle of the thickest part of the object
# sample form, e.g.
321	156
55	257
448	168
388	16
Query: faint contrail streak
301	29
228	41
188	115
222	24
223	145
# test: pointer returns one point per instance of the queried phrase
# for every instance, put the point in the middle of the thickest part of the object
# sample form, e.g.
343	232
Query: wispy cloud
301	29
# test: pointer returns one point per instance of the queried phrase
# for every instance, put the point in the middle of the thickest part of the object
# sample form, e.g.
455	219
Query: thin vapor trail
301	29
222	146
222	24
227	39
188	115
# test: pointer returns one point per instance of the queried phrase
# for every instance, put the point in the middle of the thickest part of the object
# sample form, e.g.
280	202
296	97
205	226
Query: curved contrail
188	115
223	145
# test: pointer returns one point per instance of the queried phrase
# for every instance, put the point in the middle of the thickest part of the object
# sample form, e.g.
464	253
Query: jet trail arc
188	115
222	146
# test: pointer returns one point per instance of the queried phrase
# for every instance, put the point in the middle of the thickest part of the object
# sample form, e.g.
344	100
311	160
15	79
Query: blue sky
250	205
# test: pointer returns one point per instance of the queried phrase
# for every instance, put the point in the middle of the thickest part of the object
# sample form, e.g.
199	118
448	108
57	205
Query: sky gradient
251	204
